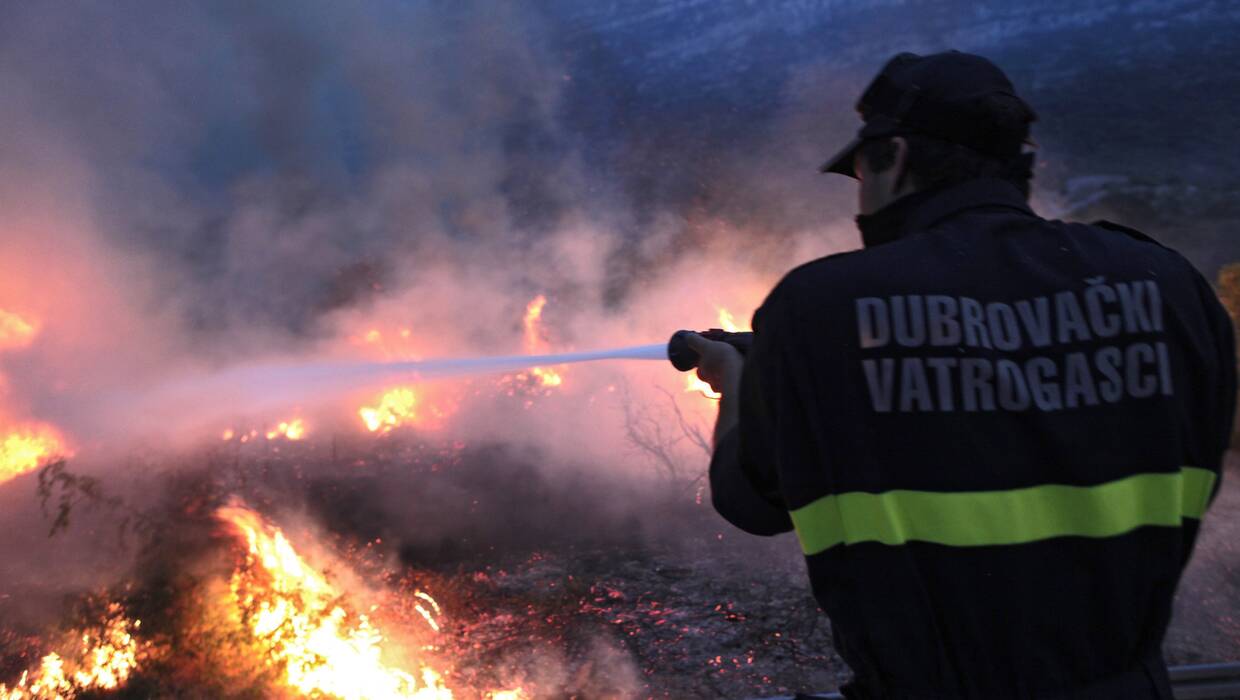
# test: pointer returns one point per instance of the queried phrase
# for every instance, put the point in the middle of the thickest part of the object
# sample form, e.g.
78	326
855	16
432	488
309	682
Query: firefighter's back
1005	432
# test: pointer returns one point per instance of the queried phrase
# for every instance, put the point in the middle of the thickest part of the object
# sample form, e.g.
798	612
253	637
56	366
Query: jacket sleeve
1225	408
744	487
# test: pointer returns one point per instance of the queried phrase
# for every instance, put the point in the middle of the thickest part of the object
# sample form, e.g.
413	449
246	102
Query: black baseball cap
938	96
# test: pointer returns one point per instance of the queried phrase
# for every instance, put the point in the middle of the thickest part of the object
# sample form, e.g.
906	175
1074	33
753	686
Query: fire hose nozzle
685	358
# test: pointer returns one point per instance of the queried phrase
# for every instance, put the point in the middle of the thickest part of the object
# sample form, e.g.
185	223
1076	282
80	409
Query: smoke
192	188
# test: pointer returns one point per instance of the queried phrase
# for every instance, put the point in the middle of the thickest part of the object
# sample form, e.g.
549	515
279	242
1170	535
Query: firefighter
994	434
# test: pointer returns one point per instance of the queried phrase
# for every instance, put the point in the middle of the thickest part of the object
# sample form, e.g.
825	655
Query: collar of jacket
921	210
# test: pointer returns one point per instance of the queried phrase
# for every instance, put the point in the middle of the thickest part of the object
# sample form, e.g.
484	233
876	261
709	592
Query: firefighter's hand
719	364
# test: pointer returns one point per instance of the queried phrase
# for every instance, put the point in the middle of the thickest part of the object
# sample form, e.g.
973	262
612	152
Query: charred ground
568	581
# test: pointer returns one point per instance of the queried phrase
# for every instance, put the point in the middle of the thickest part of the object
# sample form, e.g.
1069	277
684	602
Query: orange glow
533	313
408	406
291	430
547	377
536	343
728	322
319	646
27	447
396	407
398	344
103	660
692	383
15	331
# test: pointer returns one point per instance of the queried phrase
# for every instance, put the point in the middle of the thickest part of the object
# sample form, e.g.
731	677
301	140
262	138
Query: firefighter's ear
904	182
899	154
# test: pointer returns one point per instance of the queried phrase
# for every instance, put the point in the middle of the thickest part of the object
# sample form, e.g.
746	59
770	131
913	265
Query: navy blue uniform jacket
995	437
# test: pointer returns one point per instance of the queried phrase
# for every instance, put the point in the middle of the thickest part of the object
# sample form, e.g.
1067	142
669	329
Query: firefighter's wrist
730	376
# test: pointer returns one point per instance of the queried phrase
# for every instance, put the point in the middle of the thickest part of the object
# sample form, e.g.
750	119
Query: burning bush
237	590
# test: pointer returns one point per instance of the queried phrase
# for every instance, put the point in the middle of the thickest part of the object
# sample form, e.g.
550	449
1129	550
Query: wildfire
103	660
298	615
26	447
295	621
395	408
15	331
292	430
536	342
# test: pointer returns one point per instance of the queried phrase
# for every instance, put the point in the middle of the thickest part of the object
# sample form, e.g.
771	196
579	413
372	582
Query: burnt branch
692	432
60	491
657	436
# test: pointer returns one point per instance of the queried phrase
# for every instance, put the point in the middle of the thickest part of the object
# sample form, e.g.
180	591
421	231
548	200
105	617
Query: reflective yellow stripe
978	518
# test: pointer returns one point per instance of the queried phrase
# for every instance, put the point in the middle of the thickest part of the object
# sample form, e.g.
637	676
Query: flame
547	377
395	408
408	406
534	339
291	430
15	331
728	322
104	661
692	383
319	646
536	342
26	447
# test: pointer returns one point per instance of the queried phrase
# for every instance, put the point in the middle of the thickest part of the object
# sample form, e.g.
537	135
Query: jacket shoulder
1160	250
810	289
1128	231
829	270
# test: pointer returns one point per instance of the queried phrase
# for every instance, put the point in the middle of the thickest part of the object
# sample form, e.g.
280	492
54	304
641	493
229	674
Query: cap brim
842	162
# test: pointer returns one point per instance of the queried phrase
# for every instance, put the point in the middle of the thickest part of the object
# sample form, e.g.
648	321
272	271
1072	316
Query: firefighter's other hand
719	364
